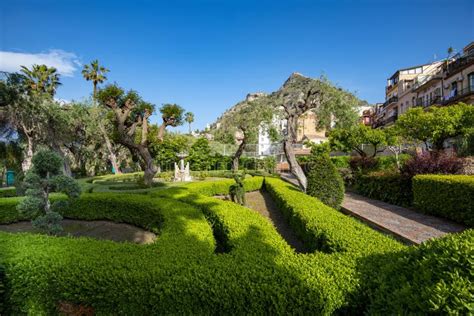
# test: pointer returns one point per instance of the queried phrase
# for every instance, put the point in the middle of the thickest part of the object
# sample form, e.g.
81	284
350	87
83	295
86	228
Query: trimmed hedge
323	228
390	188
2	290
7	192
113	278
448	196
180	273
434	278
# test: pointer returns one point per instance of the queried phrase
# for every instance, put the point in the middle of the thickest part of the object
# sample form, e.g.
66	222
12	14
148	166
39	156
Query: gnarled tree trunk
112	156
26	164
238	154
288	144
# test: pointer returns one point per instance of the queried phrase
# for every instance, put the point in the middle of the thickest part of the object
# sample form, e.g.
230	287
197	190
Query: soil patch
118	232
262	202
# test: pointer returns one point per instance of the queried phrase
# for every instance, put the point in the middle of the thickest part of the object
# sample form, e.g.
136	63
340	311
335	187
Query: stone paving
406	224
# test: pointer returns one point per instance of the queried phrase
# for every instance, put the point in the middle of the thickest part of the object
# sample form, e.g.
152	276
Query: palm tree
189	117
95	73
41	79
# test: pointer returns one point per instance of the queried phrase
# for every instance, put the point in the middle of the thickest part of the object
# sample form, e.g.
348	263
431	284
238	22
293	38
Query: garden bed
102	230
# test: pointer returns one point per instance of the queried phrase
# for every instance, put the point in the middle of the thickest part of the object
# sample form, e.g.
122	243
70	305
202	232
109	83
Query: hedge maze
216	257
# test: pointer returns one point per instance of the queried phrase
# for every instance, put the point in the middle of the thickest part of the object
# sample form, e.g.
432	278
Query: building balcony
391	100
459	64
427	103
391	119
458	96
424	80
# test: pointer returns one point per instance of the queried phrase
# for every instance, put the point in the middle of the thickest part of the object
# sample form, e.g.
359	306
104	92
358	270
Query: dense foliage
355	137
432	163
324	182
436	124
392	188
181	274
448	196
44	177
434	278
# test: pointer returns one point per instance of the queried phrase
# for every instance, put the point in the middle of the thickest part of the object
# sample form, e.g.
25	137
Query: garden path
405	224
263	203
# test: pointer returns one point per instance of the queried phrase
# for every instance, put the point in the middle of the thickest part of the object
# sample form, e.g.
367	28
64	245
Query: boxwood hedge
392	188
435	278
7	192
181	273
448	196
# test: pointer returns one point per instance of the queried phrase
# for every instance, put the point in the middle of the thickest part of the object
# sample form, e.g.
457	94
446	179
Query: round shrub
324	181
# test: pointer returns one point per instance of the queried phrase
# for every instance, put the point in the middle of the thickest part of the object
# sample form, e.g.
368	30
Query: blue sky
207	55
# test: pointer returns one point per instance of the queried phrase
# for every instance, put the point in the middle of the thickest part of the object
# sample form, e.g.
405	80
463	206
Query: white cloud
66	63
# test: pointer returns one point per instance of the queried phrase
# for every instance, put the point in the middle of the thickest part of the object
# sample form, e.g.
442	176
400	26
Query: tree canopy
436	124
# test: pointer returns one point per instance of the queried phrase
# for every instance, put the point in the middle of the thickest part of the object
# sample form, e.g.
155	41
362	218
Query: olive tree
300	94
45	176
132	124
242	124
355	137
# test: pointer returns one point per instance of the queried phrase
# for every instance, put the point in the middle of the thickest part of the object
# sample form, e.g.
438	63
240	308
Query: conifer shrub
46	176
324	181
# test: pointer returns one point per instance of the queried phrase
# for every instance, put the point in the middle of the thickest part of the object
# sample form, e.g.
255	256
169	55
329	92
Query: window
470	80
454	89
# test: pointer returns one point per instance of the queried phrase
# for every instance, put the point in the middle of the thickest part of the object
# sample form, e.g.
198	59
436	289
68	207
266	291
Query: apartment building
400	94
458	77
441	83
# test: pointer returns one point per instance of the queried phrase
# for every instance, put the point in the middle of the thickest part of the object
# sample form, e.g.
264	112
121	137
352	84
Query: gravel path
95	229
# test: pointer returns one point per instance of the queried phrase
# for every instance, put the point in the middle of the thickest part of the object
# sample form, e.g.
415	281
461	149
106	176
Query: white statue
182	173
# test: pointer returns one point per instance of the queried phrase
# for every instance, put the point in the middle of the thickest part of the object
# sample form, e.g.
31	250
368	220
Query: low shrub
432	163
347	176
324	182
323	228
180	273
134	186
113	278
434	278
222	187
448	196
341	161
2	290
8	212
392	188
385	163
362	164
7	192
